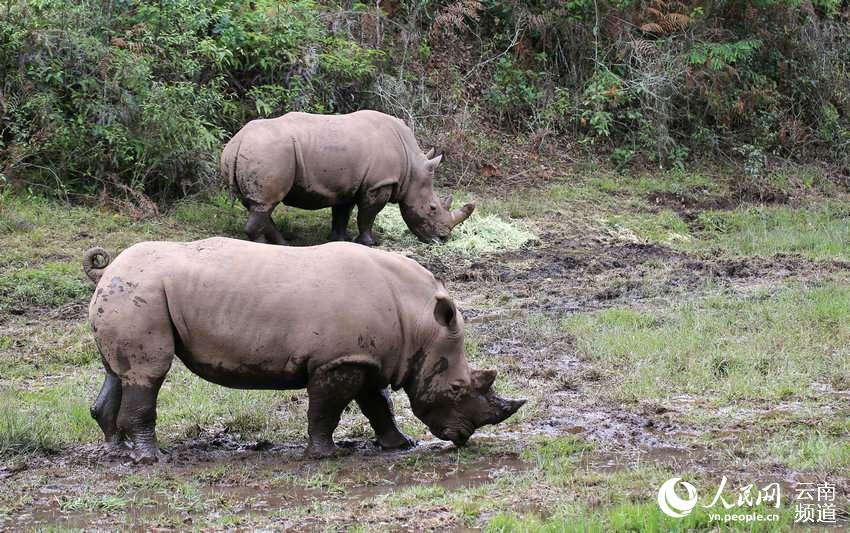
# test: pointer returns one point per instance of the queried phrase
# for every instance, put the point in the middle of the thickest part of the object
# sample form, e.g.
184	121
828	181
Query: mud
245	479
567	275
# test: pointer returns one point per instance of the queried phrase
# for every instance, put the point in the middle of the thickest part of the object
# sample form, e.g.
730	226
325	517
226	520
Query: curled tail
95	262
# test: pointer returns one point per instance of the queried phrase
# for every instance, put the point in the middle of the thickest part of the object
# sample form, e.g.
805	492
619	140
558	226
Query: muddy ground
222	477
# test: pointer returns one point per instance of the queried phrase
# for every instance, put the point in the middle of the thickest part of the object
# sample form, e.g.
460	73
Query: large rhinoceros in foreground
311	161
342	320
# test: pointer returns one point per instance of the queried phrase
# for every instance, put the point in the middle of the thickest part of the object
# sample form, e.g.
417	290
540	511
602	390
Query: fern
721	55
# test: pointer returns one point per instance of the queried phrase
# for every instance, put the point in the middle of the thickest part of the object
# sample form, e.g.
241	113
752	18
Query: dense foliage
141	95
137	97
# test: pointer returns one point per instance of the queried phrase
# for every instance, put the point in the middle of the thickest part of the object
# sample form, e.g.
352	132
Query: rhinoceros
308	161
342	320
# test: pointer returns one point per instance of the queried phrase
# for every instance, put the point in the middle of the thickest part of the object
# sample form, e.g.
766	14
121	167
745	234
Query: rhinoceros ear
433	163
445	312
482	380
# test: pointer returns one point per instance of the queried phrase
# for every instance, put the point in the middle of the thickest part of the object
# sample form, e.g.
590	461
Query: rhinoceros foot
146	457
366	238
315	451
395	441
334	236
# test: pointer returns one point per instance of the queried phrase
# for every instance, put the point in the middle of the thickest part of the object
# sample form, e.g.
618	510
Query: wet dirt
568	275
240	479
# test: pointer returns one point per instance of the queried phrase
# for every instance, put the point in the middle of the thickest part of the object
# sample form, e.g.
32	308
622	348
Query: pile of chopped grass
479	234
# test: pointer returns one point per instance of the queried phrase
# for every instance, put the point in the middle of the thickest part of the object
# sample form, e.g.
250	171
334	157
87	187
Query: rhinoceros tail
95	262
228	164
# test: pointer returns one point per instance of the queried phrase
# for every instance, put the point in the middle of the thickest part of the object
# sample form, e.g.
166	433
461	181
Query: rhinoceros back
315	161
256	316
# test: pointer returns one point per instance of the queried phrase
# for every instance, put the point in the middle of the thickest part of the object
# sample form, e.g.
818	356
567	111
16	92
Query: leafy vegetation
135	99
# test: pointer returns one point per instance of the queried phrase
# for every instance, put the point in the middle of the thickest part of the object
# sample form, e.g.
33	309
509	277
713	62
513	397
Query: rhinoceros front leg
378	408
339	222
329	392
367	209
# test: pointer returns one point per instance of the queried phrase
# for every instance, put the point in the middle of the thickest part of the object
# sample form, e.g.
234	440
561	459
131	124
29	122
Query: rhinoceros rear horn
447	202
433	162
459	215
430	153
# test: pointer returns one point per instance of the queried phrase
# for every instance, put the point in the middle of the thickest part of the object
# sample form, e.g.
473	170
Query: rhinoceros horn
430	153
499	408
447	202
459	215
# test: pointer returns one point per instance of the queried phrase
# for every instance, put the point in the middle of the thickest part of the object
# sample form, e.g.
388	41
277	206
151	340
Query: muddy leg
329	392
367	209
261	224
339	222
378	408
137	420
105	408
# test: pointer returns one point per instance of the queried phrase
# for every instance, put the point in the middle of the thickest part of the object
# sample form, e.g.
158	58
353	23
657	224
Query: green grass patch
820	232
48	285
630	517
45	419
664	227
813	451
767	346
815	232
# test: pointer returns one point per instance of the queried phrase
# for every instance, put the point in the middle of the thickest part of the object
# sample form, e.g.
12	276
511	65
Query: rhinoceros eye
433	207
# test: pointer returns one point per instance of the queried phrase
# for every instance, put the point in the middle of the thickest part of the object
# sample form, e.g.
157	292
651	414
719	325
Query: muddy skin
319	161
341	319
105	408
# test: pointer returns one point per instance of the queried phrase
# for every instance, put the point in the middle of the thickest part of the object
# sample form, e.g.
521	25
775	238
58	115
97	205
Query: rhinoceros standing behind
311	161
342	320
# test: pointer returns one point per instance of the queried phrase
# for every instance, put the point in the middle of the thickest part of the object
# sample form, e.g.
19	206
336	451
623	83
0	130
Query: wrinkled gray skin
312	161
344	321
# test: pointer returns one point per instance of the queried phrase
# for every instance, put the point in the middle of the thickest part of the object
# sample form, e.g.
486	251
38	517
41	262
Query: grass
813	451
48	285
817	232
482	233
767	346
628	517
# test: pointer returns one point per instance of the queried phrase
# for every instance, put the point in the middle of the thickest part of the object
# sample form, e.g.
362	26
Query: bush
140	96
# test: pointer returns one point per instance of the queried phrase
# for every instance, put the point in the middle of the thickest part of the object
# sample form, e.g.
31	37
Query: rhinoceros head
457	420
449	397
428	217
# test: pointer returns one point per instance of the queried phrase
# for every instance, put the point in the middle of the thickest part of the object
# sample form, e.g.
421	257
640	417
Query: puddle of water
249	482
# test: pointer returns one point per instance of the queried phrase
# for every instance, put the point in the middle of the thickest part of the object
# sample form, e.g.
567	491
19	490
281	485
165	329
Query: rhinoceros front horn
459	215
501	408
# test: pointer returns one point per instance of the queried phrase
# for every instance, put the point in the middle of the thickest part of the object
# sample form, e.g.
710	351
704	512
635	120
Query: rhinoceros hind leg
260	224
367	209
105	408
329	392
339	222
137	420
378	408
